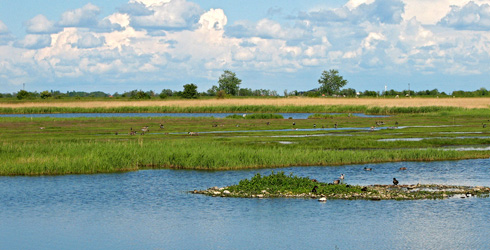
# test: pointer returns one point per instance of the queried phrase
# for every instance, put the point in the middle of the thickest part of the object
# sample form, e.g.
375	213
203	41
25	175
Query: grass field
292	101
50	146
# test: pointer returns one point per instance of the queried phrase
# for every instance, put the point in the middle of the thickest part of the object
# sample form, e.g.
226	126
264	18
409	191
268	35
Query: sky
122	45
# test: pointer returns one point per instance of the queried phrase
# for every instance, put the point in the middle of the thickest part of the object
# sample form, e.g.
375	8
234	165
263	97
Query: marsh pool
152	209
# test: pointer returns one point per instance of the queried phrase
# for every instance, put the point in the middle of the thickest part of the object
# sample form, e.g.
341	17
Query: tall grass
239	109
77	157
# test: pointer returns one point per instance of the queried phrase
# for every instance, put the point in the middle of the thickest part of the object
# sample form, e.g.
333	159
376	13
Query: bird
314	125
314	189
323	199
403	168
367	169
294	123
342	178
336	182
395	181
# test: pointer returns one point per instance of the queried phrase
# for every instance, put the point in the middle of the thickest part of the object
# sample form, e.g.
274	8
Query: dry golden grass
370	102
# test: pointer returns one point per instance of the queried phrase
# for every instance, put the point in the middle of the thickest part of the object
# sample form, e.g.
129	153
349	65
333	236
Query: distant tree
331	82
190	91
220	94
45	94
22	94
229	83
213	90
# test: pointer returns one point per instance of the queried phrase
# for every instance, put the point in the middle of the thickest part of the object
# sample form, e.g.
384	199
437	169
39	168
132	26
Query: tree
229	82
165	93
22	94
45	94
331	82
190	91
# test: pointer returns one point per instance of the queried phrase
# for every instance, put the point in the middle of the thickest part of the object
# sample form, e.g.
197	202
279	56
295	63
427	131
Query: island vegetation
280	185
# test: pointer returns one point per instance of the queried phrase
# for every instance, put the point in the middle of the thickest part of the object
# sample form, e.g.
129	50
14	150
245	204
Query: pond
152	209
216	115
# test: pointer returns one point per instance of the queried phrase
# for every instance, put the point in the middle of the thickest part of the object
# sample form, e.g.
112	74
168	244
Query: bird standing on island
395	181
342	178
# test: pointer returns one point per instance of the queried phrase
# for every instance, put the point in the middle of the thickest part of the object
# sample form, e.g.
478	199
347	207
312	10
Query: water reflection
151	210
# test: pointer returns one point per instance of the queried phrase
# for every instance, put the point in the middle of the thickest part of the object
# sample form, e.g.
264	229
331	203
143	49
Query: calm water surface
152	210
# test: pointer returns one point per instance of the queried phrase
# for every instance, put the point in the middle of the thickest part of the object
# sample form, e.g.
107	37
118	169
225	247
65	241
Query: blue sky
121	45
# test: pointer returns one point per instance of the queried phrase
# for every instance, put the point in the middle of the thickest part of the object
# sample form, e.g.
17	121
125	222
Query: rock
214	188
260	196
323	199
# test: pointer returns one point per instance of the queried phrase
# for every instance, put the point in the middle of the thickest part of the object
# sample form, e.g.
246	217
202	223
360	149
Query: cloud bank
171	41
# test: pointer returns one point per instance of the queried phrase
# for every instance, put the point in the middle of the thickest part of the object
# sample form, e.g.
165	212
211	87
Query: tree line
331	84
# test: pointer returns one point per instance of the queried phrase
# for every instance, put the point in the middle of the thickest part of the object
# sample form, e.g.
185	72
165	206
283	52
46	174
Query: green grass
41	146
256	116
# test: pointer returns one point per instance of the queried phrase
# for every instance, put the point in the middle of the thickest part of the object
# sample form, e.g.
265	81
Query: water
216	115
152	210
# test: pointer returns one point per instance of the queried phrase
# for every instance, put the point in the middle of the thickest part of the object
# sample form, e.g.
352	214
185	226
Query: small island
280	185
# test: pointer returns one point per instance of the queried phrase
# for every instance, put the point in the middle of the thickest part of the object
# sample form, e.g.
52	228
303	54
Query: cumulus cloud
379	11
40	25
469	17
82	17
89	40
164	40
34	41
5	35
175	14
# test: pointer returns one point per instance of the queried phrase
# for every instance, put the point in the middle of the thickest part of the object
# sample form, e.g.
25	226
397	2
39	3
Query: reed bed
235	109
293	101
104	157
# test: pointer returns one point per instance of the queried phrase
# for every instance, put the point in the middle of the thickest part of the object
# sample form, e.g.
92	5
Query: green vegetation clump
256	116
327	116
280	183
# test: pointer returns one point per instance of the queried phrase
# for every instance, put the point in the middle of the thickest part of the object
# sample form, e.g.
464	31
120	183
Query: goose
314	189
367	169
395	181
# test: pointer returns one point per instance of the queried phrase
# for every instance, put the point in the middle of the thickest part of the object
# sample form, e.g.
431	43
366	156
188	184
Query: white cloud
34	41
3	28
470	17
213	19
40	25
89	40
82	17
175	14
174	40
